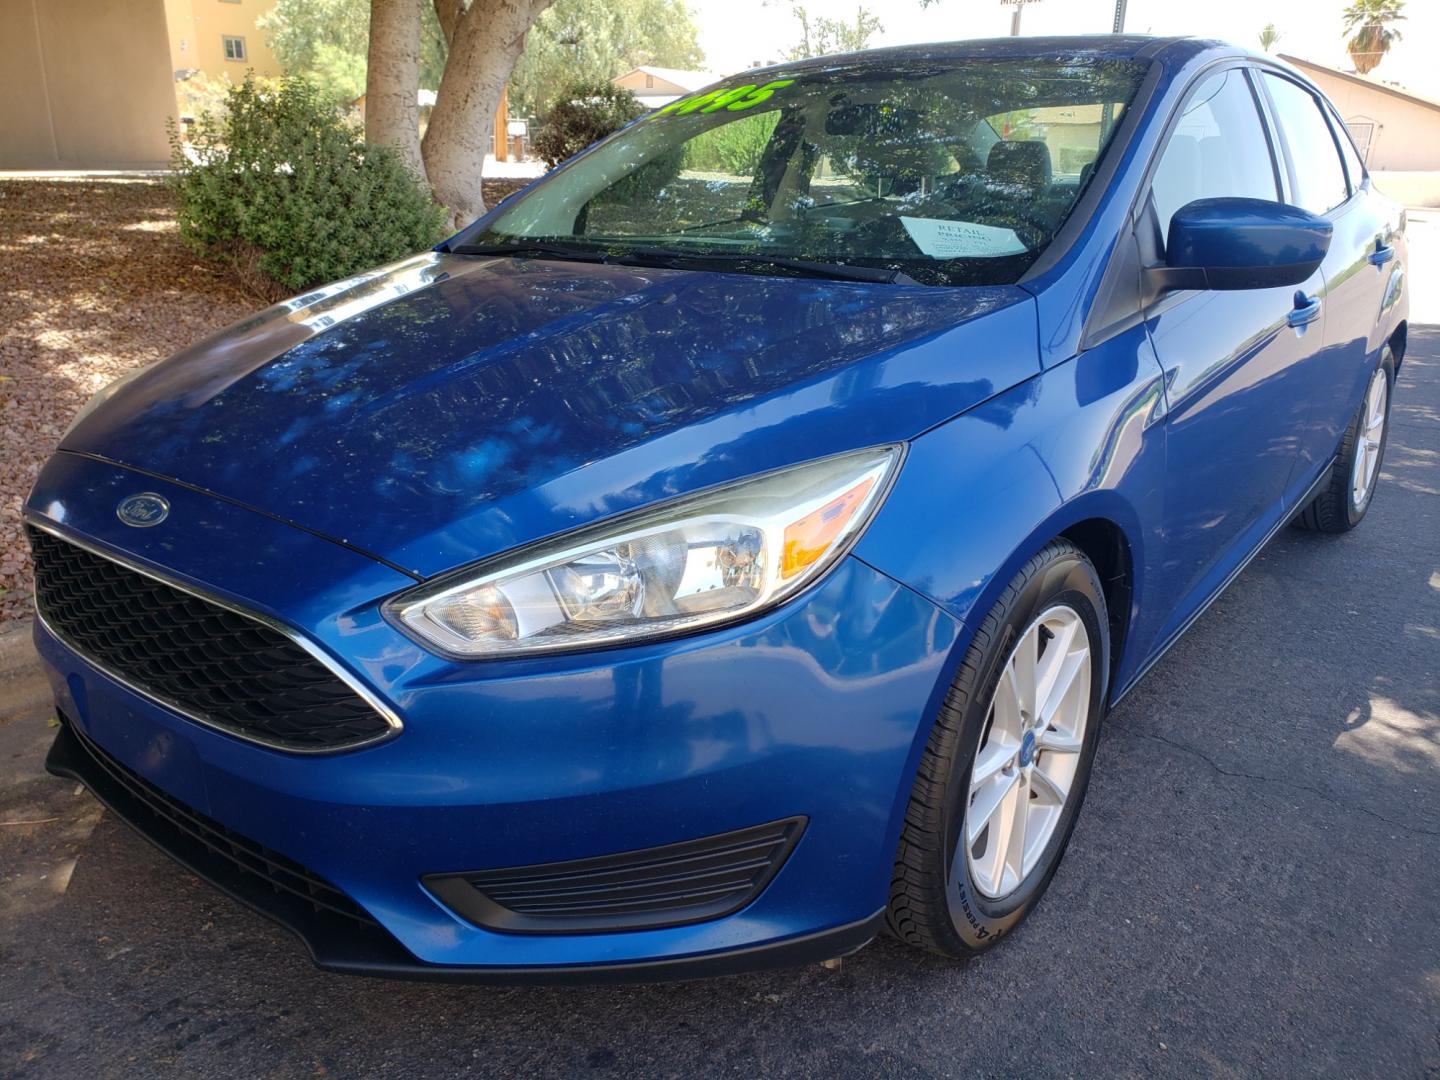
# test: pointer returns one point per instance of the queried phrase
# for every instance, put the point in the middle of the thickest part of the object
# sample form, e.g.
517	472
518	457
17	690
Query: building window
1362	130
649	82
234	48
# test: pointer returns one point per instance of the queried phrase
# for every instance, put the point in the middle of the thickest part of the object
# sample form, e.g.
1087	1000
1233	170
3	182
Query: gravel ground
94	282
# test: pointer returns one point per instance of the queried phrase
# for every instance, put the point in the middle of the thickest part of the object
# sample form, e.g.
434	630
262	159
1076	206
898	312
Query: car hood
447	408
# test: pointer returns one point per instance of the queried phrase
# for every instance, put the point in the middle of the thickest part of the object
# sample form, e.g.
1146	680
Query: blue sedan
727	549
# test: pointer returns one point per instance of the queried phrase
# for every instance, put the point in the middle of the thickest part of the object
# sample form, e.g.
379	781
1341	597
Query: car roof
1172	51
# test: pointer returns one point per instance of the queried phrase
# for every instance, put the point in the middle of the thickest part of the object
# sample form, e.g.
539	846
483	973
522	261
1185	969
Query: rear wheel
1343	503
1005	769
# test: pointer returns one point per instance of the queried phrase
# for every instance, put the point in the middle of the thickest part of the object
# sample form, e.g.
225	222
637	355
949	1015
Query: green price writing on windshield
735	99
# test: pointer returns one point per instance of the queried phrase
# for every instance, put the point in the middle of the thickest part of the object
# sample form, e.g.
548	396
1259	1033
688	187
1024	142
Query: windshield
953	173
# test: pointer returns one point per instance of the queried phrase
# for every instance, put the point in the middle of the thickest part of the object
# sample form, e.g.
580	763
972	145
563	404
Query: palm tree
1269	36
1368	24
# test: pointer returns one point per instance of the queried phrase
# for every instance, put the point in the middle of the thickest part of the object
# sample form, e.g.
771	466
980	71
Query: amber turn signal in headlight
696	561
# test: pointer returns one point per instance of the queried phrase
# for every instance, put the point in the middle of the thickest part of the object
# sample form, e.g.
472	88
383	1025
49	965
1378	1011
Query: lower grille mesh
202	659
662	886
170	819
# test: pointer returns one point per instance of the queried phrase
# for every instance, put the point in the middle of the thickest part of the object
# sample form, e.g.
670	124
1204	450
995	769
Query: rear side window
1217	149
1353	165
1314	157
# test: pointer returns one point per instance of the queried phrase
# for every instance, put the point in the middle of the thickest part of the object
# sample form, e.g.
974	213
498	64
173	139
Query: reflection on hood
430	413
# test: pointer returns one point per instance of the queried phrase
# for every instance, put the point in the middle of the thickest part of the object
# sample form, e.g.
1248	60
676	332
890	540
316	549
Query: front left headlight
693	562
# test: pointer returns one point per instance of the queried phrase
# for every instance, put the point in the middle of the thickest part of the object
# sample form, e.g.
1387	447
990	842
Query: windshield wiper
529	249
676	260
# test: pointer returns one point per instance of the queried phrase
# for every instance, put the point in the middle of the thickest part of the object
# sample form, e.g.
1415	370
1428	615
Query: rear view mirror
1241	244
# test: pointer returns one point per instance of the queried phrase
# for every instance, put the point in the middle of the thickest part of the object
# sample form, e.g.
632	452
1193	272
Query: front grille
661	886
180	830
206	661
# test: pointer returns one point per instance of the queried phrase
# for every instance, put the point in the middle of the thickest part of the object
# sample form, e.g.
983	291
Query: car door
1356	268
1235	384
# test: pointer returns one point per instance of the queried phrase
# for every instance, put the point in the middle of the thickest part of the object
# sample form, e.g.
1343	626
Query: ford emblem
143	510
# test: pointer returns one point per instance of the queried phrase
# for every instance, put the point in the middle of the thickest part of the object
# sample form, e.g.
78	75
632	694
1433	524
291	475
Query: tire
1337	508
937	899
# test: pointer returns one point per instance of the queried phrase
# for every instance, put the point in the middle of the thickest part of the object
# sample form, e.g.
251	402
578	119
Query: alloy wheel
1029	753
1369	439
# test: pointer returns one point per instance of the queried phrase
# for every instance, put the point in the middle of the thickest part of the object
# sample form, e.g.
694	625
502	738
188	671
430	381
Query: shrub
287	193
734	148
583	113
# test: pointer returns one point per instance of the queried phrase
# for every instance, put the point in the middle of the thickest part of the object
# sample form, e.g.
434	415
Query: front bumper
817	710
359	946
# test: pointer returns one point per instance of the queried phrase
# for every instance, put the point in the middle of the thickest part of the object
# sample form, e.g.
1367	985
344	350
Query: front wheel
1356	472
1006	766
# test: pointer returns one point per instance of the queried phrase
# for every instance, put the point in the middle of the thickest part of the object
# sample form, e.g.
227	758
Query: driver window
1217	149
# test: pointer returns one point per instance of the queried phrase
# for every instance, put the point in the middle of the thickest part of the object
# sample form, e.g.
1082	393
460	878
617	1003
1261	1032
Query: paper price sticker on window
942	239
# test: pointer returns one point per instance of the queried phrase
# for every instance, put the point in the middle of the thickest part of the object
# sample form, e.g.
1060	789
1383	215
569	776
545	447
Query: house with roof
1396	130
657	86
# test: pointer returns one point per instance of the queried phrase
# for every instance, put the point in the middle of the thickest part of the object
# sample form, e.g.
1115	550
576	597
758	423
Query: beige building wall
1406	135
181	23
85	84
198	29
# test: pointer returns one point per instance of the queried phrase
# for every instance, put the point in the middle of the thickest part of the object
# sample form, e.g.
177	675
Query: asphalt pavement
1253	888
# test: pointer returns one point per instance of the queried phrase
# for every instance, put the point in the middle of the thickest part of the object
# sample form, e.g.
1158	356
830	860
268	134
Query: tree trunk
1367	48
447	13
392	80
486	38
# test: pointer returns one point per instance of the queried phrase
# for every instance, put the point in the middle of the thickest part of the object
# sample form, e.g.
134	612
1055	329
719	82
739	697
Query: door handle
1306	310
1382	254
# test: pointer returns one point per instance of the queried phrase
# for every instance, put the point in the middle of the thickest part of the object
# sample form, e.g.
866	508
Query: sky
734	33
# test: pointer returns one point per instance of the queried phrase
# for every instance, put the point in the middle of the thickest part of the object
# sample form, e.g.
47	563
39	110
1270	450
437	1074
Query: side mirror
1240	244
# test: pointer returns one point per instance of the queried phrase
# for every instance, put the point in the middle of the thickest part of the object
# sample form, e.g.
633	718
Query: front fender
981	494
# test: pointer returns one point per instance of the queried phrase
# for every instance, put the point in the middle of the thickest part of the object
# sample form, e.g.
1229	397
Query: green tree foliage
572	41
1369	24
1269	37
295	29
338	76
821	35
326	41
590	41
289	195
585	113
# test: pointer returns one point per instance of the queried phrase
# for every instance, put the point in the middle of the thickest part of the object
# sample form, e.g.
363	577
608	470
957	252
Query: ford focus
727	549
